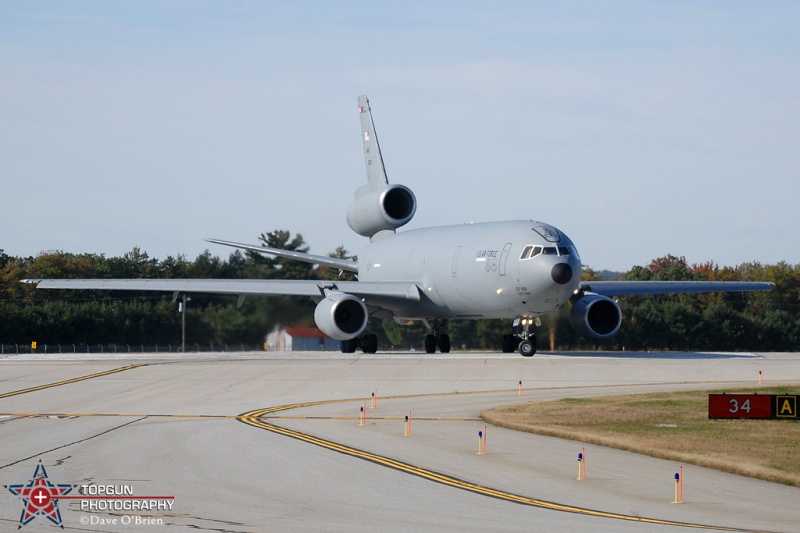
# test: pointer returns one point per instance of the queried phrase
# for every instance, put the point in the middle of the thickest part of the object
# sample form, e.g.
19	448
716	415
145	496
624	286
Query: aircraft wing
373	292
629	288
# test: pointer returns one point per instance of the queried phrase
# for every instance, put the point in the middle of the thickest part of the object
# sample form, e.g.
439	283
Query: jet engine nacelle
596	317
341	316
382	209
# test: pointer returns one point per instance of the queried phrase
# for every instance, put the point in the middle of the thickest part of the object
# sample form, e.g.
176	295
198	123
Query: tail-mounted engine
596	317
341	316
387	208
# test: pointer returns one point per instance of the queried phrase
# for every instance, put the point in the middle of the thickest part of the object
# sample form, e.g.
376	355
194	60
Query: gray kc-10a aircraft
519	269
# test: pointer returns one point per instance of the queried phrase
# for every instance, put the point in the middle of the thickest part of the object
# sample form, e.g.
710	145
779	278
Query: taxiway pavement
272	442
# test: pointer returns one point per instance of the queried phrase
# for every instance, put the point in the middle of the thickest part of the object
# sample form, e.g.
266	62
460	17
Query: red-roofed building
300	339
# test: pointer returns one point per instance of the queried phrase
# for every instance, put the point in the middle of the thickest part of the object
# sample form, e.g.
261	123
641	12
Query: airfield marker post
480	443
521	391
677	487
407	433
580	466
760	377
583	452
374	398
361	421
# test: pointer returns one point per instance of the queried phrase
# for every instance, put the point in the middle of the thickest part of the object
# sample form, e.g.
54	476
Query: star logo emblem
40	497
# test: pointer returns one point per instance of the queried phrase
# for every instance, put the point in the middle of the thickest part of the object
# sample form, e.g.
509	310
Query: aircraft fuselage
495	269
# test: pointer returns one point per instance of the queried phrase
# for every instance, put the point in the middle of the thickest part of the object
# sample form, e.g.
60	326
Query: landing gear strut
522	338
436	339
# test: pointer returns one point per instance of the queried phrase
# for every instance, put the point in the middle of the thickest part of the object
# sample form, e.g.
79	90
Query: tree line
764	321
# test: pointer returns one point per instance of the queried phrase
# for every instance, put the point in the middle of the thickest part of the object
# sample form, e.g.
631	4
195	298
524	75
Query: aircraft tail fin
379	208
376	173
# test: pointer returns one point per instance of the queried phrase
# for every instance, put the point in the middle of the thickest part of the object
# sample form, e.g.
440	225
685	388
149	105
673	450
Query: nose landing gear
522	338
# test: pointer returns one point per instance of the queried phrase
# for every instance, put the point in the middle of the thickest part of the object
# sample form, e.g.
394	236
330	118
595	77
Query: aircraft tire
430	344
370	343
508	344
527	348
444	343
349	345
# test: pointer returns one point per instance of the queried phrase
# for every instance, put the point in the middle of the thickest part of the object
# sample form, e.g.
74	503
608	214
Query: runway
275	442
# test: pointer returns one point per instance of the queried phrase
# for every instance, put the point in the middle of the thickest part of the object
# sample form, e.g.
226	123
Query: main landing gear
441	341
368	344
522	338
437	339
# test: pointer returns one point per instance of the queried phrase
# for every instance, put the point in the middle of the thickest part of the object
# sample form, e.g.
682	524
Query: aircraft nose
562	273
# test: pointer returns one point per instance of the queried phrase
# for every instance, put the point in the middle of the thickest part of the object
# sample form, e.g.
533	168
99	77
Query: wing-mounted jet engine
595	316
341	316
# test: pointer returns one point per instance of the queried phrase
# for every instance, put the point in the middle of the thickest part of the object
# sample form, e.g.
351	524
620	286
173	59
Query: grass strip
673	426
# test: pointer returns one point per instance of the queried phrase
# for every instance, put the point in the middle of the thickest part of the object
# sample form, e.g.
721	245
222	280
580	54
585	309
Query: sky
639	129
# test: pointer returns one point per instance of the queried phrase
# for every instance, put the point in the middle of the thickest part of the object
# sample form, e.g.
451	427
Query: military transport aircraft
513	269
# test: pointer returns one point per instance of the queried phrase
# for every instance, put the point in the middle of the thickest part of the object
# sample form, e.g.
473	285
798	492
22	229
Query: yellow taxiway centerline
68	381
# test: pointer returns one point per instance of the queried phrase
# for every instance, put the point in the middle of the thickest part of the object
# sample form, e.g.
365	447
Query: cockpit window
530	251
573	252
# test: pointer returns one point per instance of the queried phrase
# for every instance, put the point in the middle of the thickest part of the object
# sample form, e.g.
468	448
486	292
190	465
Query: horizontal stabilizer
323	260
